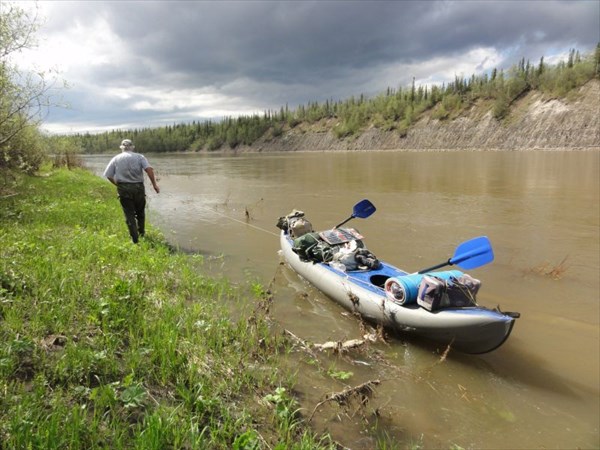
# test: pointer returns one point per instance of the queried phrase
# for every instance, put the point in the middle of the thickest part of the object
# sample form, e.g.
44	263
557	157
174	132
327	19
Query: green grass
105	344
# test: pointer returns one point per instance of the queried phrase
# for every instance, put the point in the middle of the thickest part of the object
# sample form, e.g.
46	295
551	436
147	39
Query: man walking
126	171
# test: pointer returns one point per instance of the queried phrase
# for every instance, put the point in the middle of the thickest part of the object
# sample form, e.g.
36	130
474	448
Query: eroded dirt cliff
534	122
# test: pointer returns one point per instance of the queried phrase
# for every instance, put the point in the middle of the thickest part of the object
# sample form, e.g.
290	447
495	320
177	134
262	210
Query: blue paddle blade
363	209
473	253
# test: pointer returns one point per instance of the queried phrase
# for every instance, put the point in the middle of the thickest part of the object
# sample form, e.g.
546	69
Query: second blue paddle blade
474	253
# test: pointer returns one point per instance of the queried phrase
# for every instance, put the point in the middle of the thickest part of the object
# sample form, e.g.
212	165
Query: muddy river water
541	213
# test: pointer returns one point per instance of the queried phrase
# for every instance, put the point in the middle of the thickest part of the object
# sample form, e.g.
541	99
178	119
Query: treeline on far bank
394	110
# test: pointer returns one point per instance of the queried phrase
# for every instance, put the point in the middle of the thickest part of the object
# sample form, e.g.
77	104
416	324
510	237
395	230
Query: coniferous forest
23	105
394	110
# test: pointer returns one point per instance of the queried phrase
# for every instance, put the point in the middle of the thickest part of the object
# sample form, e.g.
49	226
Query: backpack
435	293
295	224
299	226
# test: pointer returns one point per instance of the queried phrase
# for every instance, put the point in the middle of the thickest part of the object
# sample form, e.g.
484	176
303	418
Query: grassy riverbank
108	344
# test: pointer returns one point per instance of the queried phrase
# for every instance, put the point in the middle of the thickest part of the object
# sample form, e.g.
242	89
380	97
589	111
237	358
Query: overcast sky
137	64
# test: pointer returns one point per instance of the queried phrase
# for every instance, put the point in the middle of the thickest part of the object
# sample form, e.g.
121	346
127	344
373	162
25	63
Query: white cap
127	144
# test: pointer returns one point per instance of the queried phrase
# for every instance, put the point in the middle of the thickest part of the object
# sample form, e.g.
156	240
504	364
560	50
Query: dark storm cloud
270	53
304	41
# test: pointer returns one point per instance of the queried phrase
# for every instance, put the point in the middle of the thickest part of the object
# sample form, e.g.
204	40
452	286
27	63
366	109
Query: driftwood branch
336	346
341	346
301	342
362	392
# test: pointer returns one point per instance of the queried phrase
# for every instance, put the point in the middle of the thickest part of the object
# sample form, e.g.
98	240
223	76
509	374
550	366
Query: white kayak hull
471	330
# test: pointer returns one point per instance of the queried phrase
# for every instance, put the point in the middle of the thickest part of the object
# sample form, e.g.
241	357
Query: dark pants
133	202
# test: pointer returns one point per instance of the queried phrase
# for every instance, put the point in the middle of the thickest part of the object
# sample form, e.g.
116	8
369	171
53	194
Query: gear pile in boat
344	250
341	248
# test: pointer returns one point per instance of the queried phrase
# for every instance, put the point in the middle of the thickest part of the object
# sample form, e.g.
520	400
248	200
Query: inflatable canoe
368	291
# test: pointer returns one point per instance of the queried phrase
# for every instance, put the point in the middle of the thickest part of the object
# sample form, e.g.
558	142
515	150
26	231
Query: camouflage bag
303	245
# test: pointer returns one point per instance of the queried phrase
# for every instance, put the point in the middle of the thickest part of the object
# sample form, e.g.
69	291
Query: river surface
541	213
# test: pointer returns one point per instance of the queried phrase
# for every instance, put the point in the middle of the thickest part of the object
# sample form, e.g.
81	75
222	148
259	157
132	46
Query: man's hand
150	173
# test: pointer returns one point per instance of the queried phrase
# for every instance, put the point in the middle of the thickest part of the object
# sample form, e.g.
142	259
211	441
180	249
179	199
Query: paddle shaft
447	263
471	254
362	209
340	224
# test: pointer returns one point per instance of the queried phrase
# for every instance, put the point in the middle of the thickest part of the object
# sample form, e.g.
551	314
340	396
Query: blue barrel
404	290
